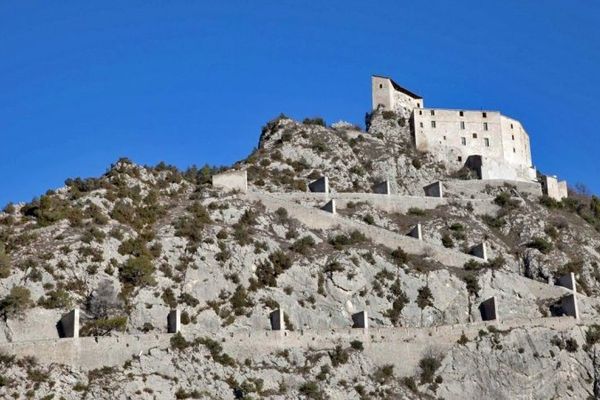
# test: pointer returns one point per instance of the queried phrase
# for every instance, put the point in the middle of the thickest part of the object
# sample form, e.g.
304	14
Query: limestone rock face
162	239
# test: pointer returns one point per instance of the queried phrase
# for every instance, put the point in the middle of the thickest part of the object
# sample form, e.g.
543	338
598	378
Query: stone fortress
498	146
495	146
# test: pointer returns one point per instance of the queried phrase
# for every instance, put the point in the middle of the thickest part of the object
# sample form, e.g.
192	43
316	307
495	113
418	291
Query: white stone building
496	146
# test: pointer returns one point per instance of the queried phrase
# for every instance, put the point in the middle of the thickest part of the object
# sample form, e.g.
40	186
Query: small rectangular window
474	136
380	86
432	112
420	112
514	150
484	114
461	113
487	142
421	124
418	105
513	136
511	126
463	140
485	126
462	124
433	124
459	159
444	137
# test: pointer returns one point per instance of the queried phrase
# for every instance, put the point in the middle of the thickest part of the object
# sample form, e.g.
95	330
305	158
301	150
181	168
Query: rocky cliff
131	245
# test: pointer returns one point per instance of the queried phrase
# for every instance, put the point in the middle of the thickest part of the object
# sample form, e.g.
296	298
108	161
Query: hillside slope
131	245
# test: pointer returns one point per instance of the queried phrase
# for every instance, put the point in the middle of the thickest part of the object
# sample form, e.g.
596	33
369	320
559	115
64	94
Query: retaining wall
318	219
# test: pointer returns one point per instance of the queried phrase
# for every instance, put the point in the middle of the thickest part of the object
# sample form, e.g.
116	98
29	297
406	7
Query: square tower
390	96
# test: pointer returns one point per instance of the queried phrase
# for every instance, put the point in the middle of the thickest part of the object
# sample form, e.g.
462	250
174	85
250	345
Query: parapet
329	207
68	326
174	321
480	251
435	189
231	180
277	320
489	309
569	305
416	232
321	185
568	281
383	188
360	320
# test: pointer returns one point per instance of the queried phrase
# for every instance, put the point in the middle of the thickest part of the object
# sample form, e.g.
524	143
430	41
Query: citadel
308	246
494	145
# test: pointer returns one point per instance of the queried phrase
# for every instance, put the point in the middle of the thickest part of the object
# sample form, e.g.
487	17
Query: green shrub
384	374
494	222
303	245
5	267
314	121
472	284
56	299
504	200
417	212
447	241
178	342
429	366
137	271
540	244
369	219
341	240
17	301
388	115
311	390
425	298
399	256
240	301
357	345
104	326
338	356
592	335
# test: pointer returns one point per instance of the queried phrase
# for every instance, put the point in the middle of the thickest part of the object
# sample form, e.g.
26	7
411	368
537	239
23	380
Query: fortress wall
477	188
391	203
400	346
318	219
87	352
231	180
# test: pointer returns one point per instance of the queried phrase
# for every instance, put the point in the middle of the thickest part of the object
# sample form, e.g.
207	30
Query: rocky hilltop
130	246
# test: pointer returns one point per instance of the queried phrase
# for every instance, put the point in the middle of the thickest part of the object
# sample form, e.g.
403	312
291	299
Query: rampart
318	219
402	347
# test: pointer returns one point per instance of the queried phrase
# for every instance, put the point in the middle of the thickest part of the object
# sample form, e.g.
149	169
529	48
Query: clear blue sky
192	82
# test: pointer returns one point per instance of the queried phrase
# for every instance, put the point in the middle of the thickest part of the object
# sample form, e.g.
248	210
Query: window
380	86
461	113
484	114
433	124
463	140
487	142
444	137
420	112
432	112
485	126
421	124
459	159
511	126
462	124
513	136
418	105
474	136
514	150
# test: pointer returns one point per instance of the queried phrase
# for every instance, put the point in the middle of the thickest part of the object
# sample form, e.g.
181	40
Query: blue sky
192	82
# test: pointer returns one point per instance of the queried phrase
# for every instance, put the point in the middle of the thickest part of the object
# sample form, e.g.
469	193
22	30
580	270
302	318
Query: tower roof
400	88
